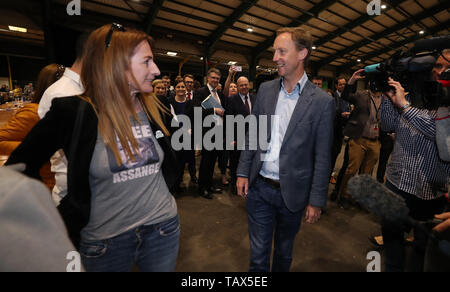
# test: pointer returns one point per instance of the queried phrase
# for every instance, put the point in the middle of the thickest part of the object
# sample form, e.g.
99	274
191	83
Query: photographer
415	172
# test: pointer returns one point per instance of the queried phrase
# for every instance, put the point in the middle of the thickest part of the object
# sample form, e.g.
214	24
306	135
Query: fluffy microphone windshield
377	199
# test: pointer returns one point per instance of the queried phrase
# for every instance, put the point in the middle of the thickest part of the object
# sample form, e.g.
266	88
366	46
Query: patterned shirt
415	167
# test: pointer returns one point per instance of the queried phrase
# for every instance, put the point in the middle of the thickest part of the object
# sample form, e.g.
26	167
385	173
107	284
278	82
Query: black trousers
336	150
186	156
342	171
387	145
234	162
207	164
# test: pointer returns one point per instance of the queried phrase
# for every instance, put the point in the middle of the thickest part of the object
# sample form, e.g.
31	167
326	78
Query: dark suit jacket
339	121
200	95
306	149
237	108
358	119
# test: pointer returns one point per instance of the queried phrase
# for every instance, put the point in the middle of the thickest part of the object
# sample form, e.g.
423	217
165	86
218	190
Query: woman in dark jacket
184	107
119	210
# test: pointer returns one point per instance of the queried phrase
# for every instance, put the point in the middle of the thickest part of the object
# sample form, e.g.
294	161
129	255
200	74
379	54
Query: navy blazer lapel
300	110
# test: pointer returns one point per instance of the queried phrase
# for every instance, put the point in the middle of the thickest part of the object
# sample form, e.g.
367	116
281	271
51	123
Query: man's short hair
188	76
302	39
317	78
214	70
341	77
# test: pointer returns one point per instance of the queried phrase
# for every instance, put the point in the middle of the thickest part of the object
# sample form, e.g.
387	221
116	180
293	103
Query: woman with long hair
119	210
13	133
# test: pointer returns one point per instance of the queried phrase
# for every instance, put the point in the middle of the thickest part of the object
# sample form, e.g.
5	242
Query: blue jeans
153	248
267	214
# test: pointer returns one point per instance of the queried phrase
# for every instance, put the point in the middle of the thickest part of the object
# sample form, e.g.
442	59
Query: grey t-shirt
133	194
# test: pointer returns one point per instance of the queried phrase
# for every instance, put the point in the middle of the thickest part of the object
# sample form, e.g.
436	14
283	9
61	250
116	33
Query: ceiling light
383	6
314	47
250	29
172	54
359	60
232	63
15	28
422	32
201	58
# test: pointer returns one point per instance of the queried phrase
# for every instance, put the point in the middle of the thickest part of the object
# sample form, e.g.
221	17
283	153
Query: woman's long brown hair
104	76
47	76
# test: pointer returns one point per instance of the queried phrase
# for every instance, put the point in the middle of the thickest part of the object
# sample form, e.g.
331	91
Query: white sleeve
44	104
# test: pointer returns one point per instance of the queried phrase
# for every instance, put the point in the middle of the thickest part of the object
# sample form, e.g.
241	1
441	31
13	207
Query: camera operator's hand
356	76
444	226
397	97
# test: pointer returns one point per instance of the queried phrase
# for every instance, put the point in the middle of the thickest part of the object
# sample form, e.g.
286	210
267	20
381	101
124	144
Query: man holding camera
416	172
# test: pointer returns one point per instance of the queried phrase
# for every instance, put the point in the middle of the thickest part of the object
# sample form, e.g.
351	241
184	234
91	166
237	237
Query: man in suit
209	157
239	104
342	114
188	80
293	173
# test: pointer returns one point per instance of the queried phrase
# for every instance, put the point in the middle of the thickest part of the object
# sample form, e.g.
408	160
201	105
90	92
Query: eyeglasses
114	26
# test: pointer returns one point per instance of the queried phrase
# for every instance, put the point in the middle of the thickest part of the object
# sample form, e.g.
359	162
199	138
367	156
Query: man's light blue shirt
285	107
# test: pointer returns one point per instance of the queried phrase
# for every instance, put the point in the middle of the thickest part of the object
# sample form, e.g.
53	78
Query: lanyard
377	110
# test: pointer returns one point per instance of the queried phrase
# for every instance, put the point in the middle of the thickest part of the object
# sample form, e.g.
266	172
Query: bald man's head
242	84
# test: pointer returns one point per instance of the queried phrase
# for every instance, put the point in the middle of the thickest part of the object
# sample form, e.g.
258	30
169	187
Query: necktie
247	105
189	95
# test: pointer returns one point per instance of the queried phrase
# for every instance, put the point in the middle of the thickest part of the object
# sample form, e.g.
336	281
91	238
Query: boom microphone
379	200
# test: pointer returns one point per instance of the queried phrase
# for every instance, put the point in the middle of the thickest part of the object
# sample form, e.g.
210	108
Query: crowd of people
106	124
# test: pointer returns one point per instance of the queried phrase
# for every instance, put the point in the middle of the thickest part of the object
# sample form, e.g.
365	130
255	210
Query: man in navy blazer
292	175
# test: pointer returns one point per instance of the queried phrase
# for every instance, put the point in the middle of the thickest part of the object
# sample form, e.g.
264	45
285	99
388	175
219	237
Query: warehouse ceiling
345	35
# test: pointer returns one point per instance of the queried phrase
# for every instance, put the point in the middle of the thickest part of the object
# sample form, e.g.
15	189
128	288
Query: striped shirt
415	167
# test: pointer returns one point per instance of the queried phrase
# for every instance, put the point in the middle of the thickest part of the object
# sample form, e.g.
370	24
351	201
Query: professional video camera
413	69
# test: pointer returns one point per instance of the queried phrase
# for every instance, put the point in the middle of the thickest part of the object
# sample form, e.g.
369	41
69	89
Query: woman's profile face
143	68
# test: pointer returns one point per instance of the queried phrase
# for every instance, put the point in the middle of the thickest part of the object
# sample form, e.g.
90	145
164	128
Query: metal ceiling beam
425	14
152	12
302	19
245	6
349	27
398	45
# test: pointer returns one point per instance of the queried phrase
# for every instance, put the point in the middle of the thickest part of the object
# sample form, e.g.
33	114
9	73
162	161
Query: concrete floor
214	236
